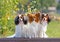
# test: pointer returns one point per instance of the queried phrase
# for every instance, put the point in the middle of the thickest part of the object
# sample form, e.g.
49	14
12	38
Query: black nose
16	20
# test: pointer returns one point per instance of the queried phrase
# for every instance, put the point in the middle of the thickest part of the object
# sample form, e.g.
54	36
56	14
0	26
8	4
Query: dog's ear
49	20
42	16
25	19
16	20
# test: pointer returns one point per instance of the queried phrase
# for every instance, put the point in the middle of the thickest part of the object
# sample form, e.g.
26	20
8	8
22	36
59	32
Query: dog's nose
21	19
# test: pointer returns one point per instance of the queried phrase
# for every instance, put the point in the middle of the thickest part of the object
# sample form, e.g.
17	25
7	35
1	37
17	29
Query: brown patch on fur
21	16
37	17
30	18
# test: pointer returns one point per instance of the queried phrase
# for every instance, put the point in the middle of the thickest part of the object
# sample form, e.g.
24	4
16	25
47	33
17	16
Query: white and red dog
45	21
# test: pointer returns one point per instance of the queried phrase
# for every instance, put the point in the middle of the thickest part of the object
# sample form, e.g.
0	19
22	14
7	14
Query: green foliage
23	2
7	7
58	6
41	4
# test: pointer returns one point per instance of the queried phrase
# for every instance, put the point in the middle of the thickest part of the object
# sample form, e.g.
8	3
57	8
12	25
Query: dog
45	21
19	26
36	24
25	27
30	25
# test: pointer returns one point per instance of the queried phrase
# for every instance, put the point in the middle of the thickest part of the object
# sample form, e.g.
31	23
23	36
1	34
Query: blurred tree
47	3
58	6
8	10
41	4
7	7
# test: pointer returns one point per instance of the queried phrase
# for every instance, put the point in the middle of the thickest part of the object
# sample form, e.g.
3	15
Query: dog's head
46	18
18	19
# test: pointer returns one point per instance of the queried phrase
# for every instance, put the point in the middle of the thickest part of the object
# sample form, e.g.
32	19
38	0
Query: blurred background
10	8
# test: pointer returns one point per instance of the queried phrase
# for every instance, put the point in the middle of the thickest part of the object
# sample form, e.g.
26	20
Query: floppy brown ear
16	20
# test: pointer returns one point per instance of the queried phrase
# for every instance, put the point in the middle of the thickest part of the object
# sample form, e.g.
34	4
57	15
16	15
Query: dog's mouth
20	20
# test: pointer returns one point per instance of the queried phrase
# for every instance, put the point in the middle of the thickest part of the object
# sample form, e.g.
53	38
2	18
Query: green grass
53	30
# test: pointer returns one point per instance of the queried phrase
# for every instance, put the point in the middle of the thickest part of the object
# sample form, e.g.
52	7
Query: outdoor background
10	8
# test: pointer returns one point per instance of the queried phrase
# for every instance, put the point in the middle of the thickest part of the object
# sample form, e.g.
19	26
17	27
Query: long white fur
44	29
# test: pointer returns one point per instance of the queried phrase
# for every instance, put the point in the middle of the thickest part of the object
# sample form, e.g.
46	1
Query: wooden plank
29	40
